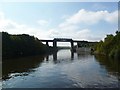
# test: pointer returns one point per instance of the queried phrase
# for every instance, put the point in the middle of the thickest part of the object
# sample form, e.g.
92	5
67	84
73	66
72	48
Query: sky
47	20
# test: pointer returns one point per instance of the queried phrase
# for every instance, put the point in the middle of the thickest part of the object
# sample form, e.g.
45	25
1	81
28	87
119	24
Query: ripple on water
0	85
82	71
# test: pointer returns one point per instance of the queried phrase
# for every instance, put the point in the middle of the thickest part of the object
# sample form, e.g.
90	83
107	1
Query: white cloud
65	16
82	34
70	28
43	22
91	17
71	25
7	24
13	27
1	15
112	17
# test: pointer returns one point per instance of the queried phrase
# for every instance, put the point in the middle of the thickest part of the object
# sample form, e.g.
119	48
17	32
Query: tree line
110	46
22	45
26	45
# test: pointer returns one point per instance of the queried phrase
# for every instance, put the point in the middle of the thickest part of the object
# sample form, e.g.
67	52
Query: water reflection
83	55
112	66
27	64
22	66
61	69
55	55
72	55
47	58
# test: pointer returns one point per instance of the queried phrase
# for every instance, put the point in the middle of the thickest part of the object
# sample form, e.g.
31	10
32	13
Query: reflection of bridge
55	40
55	56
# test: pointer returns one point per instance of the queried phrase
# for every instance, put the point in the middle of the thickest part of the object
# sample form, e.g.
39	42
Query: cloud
112	17
1	15
71	31
7	24
13	27
82	34
71	25
69	28
91	17
43	22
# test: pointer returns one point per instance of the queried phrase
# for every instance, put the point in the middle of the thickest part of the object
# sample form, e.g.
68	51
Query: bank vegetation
110	46
22	45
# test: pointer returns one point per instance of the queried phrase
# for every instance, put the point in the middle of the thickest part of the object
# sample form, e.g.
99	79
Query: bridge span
55	40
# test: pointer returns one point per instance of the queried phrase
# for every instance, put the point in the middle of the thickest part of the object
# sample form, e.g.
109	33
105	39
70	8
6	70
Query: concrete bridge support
54	44
47	43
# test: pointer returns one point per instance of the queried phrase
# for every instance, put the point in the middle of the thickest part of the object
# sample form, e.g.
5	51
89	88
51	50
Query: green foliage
110	46
100	46
21	45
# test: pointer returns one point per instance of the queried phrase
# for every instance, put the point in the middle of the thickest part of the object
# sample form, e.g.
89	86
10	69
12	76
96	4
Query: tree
110	46
22	45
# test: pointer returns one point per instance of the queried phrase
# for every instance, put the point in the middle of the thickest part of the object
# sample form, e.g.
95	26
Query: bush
110	46
21	45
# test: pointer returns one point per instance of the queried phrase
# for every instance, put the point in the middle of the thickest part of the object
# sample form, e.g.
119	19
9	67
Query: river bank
109	47
23	45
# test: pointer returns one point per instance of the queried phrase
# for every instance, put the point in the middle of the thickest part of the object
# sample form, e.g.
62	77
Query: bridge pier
47	43
54	44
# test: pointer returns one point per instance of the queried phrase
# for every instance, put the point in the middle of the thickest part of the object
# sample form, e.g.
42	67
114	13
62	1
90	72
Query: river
63	69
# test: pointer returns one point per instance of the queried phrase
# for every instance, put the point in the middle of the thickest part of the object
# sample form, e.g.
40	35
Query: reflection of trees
84	55
110	64
20	65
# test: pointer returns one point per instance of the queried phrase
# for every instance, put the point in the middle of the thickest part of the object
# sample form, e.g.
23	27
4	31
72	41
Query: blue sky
78	20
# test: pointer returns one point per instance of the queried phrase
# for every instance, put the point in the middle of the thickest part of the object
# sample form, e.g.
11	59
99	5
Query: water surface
63	69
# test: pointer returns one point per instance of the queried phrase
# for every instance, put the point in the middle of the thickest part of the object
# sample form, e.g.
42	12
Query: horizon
90	21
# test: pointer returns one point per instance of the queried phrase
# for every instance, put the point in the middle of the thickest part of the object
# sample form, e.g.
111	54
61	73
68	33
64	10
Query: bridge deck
47	40
64	40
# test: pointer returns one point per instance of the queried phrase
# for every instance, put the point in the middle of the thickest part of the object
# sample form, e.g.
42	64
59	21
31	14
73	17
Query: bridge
79	43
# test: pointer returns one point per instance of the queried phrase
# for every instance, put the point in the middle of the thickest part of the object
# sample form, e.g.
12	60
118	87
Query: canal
62	69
